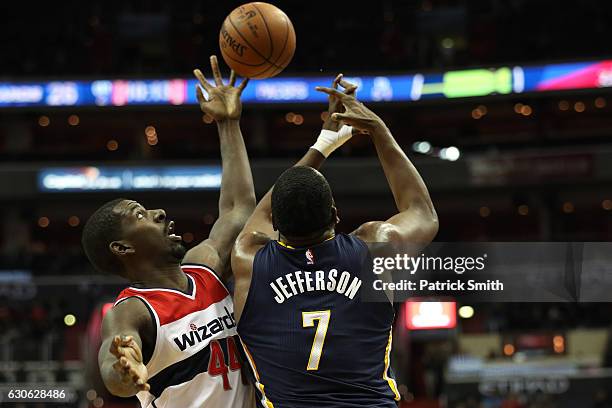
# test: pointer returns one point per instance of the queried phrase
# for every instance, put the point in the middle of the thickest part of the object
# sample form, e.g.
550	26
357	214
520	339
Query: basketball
257	40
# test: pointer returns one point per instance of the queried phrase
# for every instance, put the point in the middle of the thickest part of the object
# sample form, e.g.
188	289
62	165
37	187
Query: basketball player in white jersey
170	338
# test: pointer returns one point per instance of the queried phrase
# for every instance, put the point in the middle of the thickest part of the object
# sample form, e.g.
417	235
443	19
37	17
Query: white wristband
345	131
328	140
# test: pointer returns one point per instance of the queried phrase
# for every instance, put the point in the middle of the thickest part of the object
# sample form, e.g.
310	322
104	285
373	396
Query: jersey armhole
154	321
201	266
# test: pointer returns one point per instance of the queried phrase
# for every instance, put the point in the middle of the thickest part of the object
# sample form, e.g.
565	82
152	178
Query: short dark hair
301	202
102	228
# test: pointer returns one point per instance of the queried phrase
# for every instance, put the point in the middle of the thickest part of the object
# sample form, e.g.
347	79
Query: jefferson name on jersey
206	331
298	282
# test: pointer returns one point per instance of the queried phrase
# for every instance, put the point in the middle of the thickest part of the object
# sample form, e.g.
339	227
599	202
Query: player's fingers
120	369
121	352
128	341
346	84
243	85
232	79
137	353
115	347
136	377
141	385
214	64
331	91
349	88
202	79
117	366
336	81
345	117
114	344
200	95
124	363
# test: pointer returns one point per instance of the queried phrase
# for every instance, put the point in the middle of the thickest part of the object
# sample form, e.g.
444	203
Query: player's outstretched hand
223	102
334	104
356	114
129	365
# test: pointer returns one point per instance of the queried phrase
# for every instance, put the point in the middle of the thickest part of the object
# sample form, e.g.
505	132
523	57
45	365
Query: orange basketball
257	40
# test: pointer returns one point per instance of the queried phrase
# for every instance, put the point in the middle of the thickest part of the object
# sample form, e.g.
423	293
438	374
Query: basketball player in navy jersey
309	338
171	337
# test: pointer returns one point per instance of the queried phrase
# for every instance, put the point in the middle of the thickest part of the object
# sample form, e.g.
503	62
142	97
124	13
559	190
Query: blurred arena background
504	106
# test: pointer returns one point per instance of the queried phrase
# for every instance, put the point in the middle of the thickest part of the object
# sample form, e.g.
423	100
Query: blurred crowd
34	331
154	37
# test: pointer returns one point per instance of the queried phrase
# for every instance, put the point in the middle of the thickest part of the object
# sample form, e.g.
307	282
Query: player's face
149	232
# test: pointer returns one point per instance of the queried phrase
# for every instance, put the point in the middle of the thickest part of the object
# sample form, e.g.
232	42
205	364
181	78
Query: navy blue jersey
310	339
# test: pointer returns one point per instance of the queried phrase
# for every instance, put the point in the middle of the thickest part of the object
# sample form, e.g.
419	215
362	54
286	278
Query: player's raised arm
416	221
259	228
120	357
237	197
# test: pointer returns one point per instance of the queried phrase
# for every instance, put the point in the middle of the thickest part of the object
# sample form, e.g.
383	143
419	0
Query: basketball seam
248	43
243	63
267	29
265	70
256	74
227	54
286	40
284	45
278	69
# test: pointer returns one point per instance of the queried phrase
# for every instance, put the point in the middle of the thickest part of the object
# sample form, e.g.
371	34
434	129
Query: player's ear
121	248
273	221
334	215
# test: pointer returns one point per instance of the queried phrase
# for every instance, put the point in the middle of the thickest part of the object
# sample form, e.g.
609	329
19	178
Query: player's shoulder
376	231
129	310
243	254
250	240
127	303
247	245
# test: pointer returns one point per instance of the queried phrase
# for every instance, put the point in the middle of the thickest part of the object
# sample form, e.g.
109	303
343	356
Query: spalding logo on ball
257	40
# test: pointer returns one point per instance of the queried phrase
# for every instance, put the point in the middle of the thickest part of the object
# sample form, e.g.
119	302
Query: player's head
302	203
122	232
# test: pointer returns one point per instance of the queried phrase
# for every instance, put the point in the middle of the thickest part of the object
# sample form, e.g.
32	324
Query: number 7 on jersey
308	319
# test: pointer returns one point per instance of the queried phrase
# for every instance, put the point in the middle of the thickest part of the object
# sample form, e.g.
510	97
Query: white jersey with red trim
196	361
